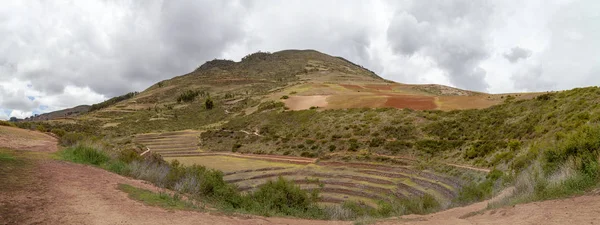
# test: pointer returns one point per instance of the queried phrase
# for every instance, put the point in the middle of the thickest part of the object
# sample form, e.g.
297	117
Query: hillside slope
296	79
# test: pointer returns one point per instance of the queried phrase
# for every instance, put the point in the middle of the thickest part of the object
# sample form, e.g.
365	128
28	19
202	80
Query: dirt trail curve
577	210
67	193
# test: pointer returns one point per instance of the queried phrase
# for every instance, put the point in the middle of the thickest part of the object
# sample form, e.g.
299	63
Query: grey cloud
531	78
453	34
517	53
152	41
16	100
408	35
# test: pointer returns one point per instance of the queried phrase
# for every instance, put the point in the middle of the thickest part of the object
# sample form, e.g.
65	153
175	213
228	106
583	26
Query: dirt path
67	193
577	210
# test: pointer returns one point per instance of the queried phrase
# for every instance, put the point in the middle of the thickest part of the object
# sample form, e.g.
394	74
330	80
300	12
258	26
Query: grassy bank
162	200
279	197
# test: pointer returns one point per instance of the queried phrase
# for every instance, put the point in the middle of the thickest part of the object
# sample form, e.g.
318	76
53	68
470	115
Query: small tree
209	104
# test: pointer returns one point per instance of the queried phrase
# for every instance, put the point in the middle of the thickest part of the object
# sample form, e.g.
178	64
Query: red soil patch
379	87
412	102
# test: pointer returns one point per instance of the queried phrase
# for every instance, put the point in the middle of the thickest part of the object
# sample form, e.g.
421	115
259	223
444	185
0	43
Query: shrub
421	205
58	132
188	96
332	148
270	105
283	197
376	142
84	154
353	145
7	124
41	128
397	146
71	138
209	104
236	147
285	97
112	101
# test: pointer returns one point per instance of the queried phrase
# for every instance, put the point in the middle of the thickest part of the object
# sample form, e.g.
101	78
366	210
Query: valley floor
42	190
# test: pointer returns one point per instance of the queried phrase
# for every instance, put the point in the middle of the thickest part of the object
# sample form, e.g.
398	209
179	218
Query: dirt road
56	192
46	191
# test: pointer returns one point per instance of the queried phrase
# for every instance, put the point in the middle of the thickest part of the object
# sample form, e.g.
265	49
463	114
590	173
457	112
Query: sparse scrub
112	101
7	123
163	200
188	96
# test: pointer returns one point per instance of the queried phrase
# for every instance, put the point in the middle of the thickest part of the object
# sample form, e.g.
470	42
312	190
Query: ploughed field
337	181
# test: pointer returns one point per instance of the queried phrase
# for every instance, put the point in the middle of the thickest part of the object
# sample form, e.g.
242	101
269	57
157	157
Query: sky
64	53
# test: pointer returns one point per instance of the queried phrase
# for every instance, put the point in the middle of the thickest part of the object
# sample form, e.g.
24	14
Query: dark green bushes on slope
112	101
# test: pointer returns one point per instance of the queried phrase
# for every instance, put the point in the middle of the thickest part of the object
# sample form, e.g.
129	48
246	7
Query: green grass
7	157
162	200
84	155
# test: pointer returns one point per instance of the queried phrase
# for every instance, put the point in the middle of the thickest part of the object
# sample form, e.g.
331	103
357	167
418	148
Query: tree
13	119
209	104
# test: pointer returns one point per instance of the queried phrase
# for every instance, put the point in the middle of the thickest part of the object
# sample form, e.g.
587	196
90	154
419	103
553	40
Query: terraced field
338	181
170	143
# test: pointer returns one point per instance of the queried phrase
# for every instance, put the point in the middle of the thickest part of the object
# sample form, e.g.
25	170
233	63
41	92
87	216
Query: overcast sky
58	54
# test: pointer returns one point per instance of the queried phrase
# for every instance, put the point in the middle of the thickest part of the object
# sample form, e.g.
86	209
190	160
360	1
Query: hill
330	125
60	114
296	79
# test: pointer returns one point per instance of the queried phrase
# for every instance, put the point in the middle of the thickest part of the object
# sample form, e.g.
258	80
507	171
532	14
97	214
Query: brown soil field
379	87
305	102
412	102
352	87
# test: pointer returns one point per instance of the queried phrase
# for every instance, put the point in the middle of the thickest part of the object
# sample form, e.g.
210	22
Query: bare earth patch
413	102
305	102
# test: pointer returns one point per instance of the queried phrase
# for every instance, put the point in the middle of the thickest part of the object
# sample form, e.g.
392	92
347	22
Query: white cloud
70	53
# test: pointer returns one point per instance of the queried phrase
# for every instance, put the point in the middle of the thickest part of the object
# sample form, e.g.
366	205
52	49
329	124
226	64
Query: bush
397	146
209	104
85	155
188	96
71	138
112	101
283	197
376	142
332	148
421	205
7	124
285	97
41	128
236	147
58	132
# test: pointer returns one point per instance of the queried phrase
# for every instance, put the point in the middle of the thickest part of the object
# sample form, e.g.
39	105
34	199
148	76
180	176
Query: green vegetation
112	101
209	104
84	154
7	124
162	199
190	96
547	147
6	157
